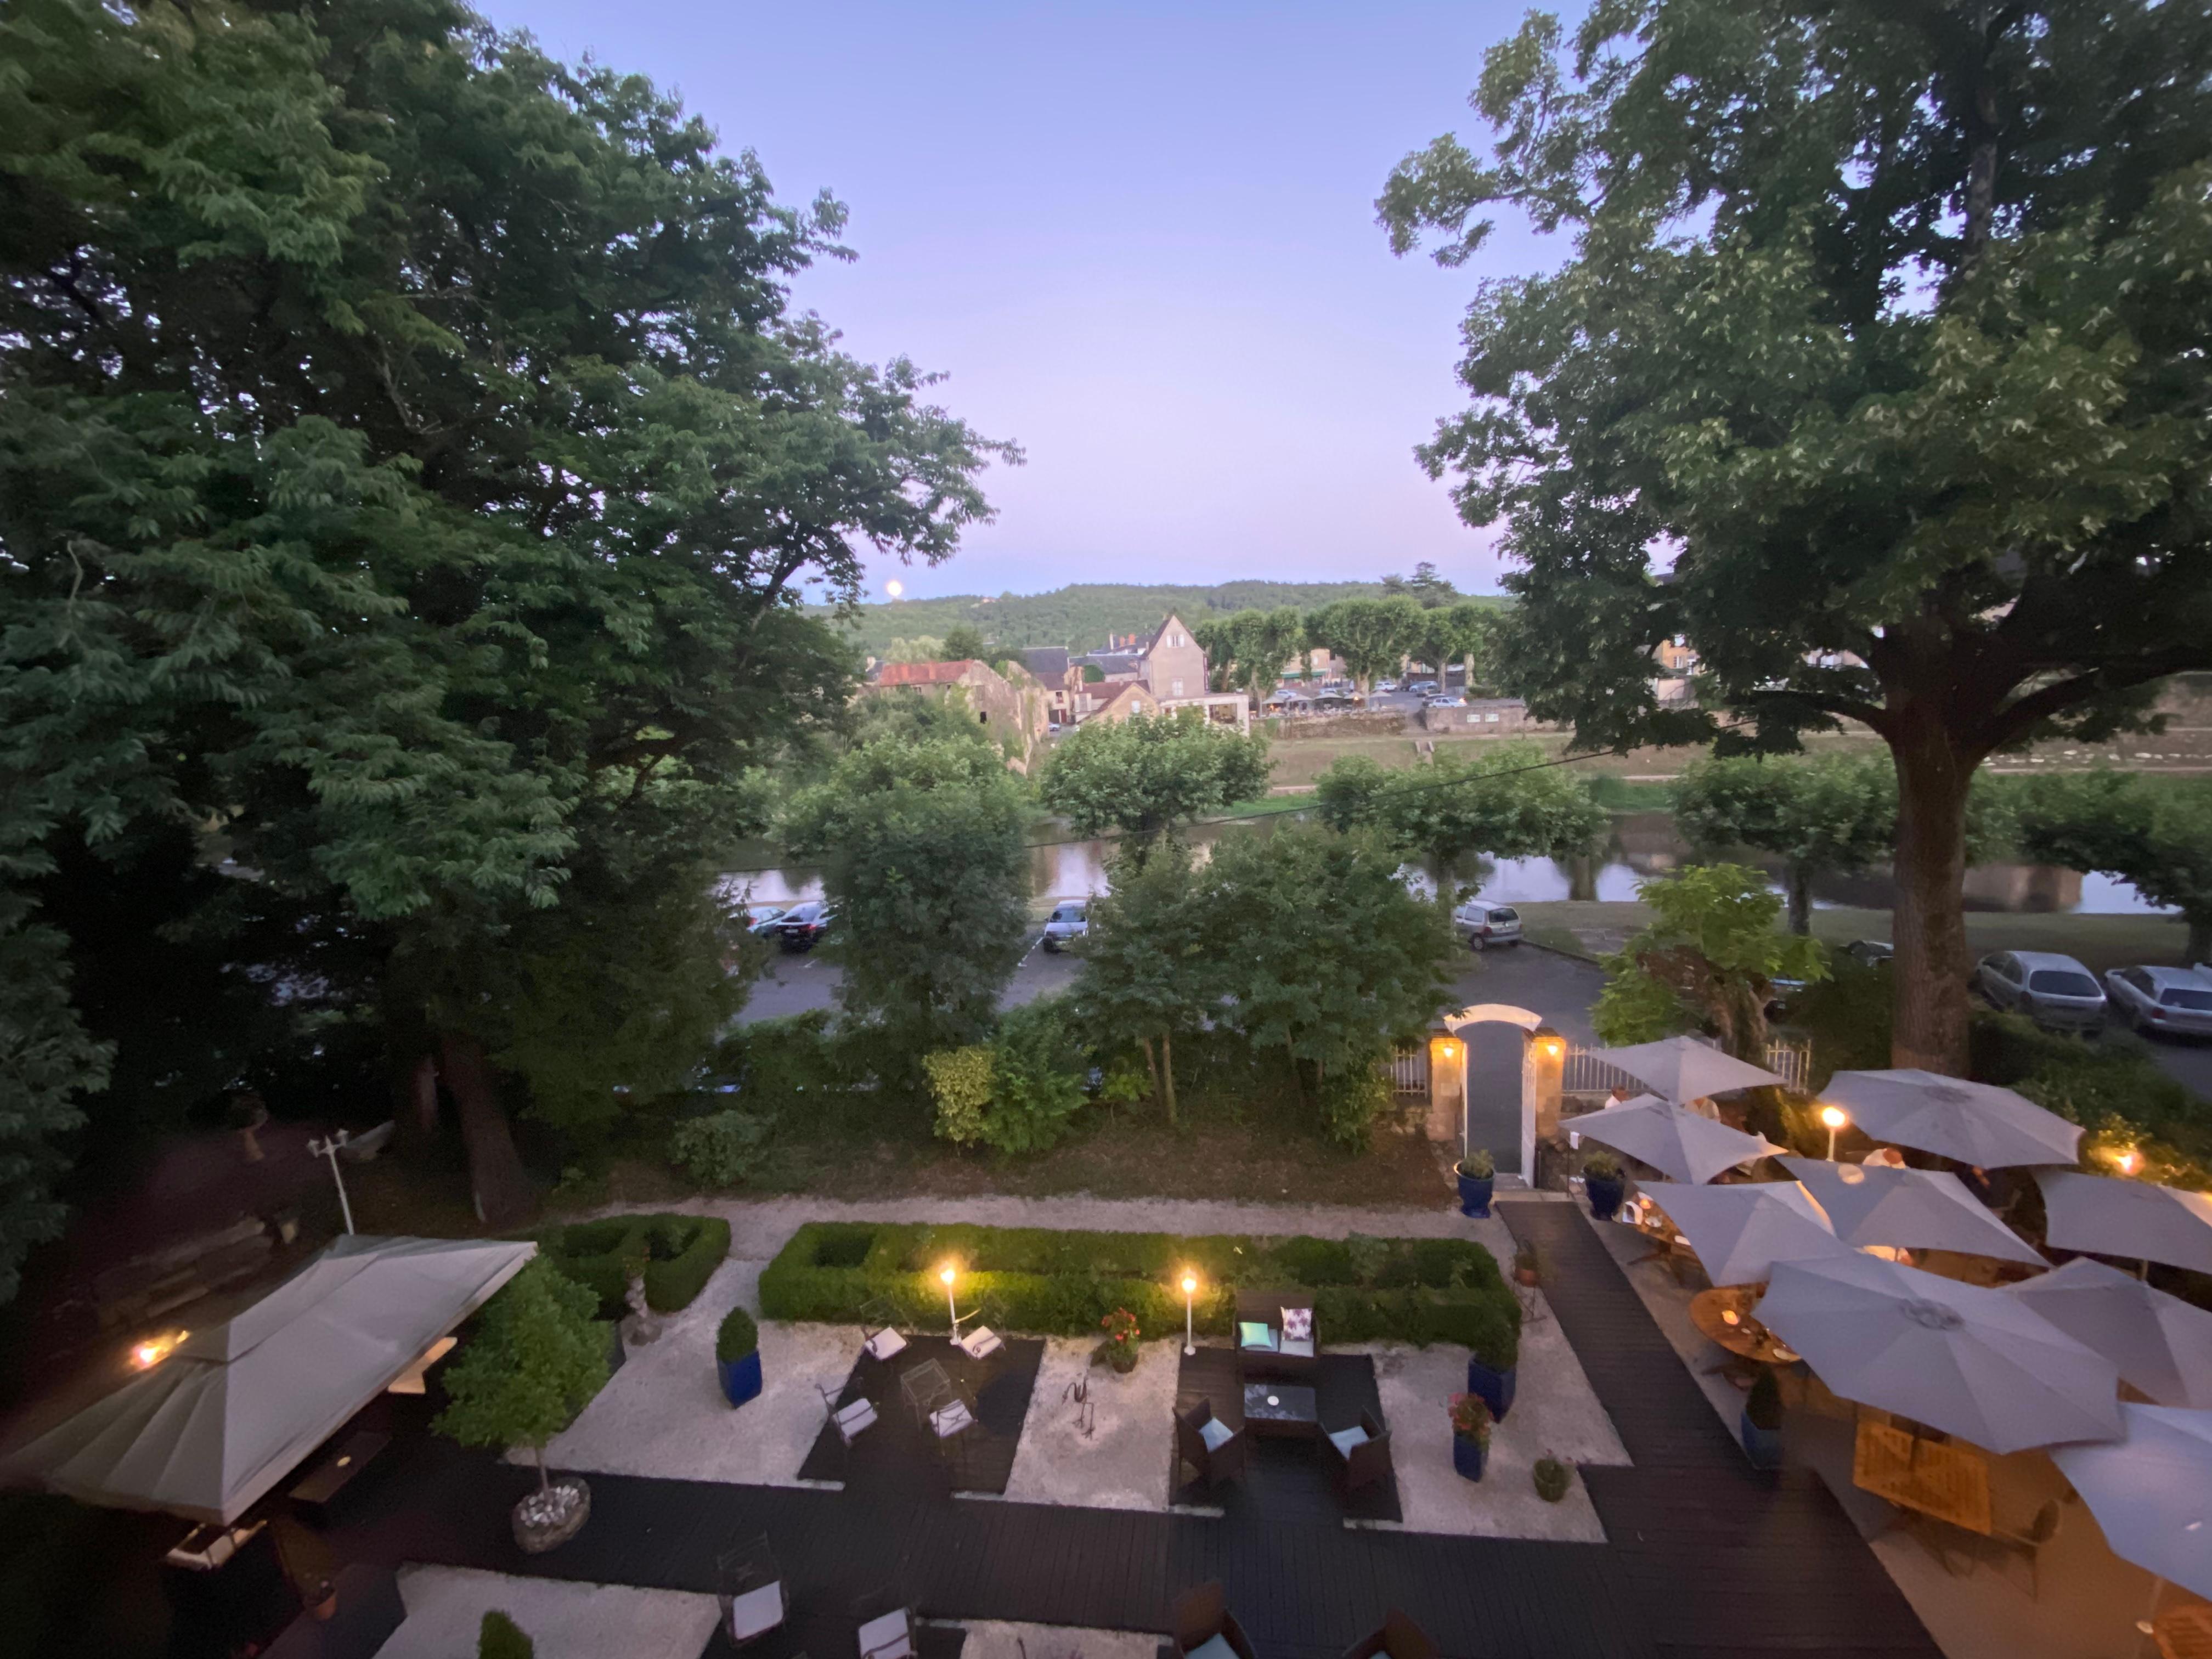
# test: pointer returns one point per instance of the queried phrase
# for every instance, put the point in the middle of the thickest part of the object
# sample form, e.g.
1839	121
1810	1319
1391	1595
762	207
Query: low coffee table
1285	1409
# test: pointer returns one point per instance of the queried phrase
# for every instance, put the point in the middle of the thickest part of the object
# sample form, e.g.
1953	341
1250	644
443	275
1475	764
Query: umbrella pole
2148	1623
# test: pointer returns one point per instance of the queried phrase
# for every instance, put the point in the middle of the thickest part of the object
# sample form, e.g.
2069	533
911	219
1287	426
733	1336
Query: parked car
801	927
2175	1000
1868	951
1483	924
1068	920
759	918
2056	992
1423	688
1386	685
1449	700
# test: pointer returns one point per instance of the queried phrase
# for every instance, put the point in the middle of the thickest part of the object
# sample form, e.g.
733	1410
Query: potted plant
500	1637
537	1357
1470	1425
1528	1264
1493	1360
1477	1174
1762	1421
736	1357
1603	1184
1553	1479
1119	1348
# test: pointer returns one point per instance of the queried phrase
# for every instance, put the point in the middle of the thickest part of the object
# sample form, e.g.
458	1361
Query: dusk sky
1139	241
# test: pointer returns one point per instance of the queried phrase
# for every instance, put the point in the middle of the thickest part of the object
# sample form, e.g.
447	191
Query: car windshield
802	913
1505	915
1068	913
2198	1001
2062	982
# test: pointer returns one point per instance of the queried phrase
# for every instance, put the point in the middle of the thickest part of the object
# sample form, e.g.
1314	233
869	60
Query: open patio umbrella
1976	1123
1975	1363
2161	1344
1671	1137
1911	1209
1740	1232
2152	1491
1681	1068
2131	1219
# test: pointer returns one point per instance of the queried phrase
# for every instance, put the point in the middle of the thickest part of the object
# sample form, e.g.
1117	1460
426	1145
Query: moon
894	587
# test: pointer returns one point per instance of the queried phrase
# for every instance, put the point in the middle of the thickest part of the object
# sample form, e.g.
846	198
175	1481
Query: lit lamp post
951	1316
330	1146
1835	1117
1189	1290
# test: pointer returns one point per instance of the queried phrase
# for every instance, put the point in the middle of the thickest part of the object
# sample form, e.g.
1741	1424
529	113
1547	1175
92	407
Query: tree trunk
496	1178
418	1123
1167	1072
1152	1065
544	1481
1801	899
2199	948
1930	925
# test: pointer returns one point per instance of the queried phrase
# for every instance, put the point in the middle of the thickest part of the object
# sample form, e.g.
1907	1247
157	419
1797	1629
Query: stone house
1170	665
1011	705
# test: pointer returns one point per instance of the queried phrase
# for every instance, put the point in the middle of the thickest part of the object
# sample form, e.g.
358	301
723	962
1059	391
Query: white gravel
990	1640
1122	1462
446	1608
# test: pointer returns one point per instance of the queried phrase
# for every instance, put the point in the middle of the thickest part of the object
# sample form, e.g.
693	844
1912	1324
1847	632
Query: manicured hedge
681	1251
1062	1284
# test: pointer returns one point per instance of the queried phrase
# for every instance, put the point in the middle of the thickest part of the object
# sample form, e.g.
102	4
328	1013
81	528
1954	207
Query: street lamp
953	1317
330	1146
1835	1117
1189	1290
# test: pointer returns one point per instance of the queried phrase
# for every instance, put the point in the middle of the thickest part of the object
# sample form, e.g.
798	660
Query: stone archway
1542	1053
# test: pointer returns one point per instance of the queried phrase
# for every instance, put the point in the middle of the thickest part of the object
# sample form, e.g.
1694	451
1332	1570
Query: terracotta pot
1524	1275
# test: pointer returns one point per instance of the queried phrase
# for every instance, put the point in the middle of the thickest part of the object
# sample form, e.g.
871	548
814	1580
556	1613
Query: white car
1483	924
1448	701
2172	1000
2056	992
1070	920
1386	685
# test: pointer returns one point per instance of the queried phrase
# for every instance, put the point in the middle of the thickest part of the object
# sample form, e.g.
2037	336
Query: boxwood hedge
681	1252
1062	1284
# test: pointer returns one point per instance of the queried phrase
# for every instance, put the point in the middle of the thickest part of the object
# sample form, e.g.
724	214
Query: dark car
801	926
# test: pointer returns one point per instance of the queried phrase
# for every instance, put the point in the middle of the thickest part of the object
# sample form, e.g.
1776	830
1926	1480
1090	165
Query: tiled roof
1046	662
923	673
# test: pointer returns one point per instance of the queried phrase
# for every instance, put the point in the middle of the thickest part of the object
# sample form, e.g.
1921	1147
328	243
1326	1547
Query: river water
1641	845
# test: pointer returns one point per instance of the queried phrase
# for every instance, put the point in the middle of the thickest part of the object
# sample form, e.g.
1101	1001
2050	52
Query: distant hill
1081	617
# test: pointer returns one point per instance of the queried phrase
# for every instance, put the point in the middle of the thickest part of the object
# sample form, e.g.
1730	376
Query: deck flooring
1284	1479
899	1449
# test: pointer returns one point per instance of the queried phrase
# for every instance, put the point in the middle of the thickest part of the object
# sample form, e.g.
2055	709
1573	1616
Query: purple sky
1140	240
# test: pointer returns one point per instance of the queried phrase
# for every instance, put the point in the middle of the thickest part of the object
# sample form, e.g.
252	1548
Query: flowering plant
1120	1328
1470	1418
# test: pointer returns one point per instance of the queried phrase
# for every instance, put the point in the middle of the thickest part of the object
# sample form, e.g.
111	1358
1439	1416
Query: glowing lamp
2128	1162
1189	1291
1834	1116
951	1313
144	1356
1550	1047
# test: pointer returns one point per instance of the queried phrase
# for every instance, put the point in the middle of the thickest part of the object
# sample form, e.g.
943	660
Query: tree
921	855
1707	959
1462	633
1885	331
1427	586
537	1358
962	644
500	1637
1150	970
1373	637
1835	814
2154	833
1150	775
1324	957
1249	649
1509	802
920	648
433	613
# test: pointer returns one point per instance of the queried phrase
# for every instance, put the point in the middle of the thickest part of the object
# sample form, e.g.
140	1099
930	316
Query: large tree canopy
1876	374
1507	801
2155	833
1150	773
409	475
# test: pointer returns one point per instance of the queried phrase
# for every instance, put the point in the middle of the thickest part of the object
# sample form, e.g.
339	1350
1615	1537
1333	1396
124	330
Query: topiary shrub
680	1254
500	1637
1552	1480
720	1150
737	1336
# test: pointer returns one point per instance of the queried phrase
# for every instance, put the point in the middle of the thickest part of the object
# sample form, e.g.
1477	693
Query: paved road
800	984
2188	1060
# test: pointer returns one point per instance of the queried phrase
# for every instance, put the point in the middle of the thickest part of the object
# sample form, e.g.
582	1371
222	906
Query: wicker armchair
1357	1456
1266	1308
1399	1638
1210	1446
1201	1614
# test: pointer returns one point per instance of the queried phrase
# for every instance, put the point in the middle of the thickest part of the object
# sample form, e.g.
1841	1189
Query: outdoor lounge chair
1209	1445
878	1330
751	1591
1292	1359
1357	1456
982	1341
1399	1638
885	1631
848	1420
1204	1628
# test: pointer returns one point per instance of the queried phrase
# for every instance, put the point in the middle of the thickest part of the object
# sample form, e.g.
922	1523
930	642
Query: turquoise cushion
1345	1440
1215	1432
1215	1647
1258	1333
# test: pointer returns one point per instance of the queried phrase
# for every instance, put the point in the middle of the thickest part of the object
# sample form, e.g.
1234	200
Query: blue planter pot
1604	1196
741	1378
1762	1446
1496	1388
1475	1193
1467	1457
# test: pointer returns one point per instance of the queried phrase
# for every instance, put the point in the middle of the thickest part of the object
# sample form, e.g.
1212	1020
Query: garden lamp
945	1274
1189	1290
1835	1117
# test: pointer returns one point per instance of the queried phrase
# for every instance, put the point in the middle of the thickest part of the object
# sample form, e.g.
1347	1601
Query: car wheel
1051	949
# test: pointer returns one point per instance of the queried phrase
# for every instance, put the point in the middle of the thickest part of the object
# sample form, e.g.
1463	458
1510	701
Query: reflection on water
1642	845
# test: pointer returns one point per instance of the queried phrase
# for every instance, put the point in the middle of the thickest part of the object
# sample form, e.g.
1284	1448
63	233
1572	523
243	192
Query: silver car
1483	924
2175	1000
1069	921
2056	992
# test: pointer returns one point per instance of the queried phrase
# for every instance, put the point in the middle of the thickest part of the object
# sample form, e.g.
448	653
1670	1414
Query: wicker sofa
1297	1363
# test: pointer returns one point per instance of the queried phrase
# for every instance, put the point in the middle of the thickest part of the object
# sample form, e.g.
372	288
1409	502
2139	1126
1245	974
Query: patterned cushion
1255	1334
1215	1432
1345	1440
1298	1322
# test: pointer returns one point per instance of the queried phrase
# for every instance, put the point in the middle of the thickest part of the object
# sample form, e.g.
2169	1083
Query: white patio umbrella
1911	1209
2131	1219
1680	1068
1672	1138
2152	1491
1740	1232
2161	1344
1975	1363
1976	1123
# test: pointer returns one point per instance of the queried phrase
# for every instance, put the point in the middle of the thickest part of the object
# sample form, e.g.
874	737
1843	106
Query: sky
1139	241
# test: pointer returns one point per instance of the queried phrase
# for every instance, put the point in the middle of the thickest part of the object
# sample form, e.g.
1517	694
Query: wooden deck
899	1449
1285	1480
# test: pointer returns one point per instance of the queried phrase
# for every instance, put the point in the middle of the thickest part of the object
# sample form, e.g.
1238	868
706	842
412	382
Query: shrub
960	1083
721	1149
1037	1078
672	1282
536	1357
500	1637
737	1336
680	1253
1601	1166
1552	1480
1478	1163
1353	1095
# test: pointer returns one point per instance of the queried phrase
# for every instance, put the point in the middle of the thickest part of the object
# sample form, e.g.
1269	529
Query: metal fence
1409	1072
1789	1058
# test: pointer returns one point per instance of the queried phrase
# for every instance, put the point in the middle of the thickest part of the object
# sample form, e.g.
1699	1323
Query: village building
1011	705
1170	665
